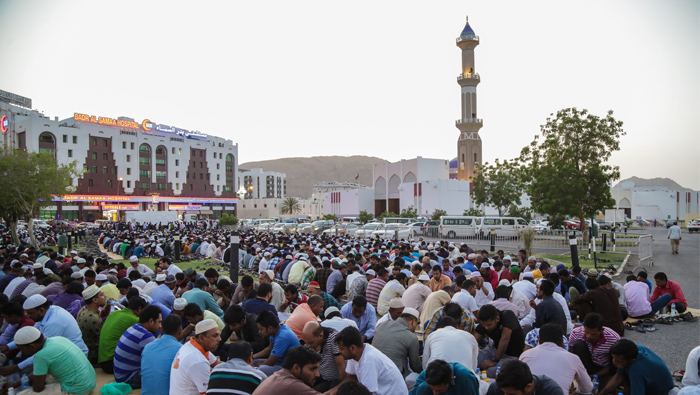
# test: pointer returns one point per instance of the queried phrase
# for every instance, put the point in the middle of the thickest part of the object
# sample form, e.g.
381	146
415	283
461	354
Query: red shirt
672	288
493	278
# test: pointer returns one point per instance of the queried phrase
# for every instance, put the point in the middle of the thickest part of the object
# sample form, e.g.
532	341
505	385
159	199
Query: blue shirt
366	323
56	322
257	306
127	356
470	266
138	251
649	374
282	341
163	294
204	300
465	383
156	359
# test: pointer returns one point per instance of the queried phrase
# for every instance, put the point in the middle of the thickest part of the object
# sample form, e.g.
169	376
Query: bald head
312	335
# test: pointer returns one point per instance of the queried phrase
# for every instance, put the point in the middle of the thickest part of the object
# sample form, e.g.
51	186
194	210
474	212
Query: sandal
665	321
650	327
640	329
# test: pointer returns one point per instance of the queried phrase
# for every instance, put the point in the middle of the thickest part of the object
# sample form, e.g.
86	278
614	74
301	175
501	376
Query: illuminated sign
104	121
4	124
183	207
190	134
147	125
143	199
120	207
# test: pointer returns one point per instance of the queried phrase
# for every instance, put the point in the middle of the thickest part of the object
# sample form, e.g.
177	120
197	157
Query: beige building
469	142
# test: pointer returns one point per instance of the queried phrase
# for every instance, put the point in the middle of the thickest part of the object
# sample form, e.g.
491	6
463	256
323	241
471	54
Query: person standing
674	234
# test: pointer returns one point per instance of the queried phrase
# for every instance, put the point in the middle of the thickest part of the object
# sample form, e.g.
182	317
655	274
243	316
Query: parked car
605	225
389	231
316	227
42	225
542	226
431	228
366	231
416	228
348	229
694	226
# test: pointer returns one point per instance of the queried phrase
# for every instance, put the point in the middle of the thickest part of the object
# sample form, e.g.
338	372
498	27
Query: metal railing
472	37
474	76
468	120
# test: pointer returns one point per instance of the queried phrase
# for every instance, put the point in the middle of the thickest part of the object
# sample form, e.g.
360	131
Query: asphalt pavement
673	342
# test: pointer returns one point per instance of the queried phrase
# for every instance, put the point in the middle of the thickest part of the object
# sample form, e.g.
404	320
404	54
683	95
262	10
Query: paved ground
673	343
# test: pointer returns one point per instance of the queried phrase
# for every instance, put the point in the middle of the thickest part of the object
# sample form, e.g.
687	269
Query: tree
499	185
568	168
386	214
437	214
290	205
228	219
473	212
409	212
329	217
28	181
522	212
365	217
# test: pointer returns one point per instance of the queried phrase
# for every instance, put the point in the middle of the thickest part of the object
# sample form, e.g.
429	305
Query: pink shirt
637	297
560	365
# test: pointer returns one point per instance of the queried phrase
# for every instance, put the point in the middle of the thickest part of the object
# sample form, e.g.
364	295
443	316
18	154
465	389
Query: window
105	170
201	153
160	186
218	187
218	177
160	161
144	148
204	186
105	156
492	221
160	151
128	158
94	169
229	178
144	173
65	138
145	185
128	171
90	183
93	155
173	150
229	158
220	155
218	166
214	155
522	221
85	169
94	142
70	153
177	174
177	185
201	176
207	176
75	139
109	183
508	221
177	162
179	151
114	170
228	189
144	161
132	145
265	205
160	174
123	144
191	187
128	184
201	165
106	142
229	168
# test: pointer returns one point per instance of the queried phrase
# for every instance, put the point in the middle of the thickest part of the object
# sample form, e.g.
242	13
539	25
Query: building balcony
469	37
469	121
471	76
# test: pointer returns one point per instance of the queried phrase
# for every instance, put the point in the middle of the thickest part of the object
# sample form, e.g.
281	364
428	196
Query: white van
398	220
452	226
484	225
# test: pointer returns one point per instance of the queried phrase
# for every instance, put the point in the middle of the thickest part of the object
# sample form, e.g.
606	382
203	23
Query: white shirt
338	323
173	270
351	278
377	372
159	251
691	369
674	232
520	300
416	295
143	269
189	374
467	301
481	298
277	295
382	320
451	345
560	365
526	288
149	287
263	265
567	312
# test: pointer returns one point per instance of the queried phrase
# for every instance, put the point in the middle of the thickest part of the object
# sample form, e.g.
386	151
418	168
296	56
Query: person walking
674	234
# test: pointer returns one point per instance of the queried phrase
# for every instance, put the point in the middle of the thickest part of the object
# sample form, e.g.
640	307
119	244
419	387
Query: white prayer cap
476	274
33	302
205	325
26	335
133	258
396	303
179	304
504	282
160	278
411	311
423	277
90	292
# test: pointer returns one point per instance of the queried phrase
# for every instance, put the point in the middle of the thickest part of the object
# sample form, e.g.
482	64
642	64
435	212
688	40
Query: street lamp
119	187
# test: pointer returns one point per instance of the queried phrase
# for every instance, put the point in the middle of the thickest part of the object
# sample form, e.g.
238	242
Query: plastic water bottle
25	382
595	384
498	371
11	391
115	304
674	312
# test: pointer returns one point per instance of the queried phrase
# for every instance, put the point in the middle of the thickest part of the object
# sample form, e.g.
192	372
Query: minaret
469	142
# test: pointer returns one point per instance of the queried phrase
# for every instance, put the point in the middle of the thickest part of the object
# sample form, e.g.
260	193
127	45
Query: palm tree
290	205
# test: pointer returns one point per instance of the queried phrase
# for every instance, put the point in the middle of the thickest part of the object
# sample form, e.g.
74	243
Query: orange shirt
299	318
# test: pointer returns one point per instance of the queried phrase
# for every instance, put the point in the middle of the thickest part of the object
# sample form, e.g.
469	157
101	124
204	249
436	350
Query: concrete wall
449	195
349	202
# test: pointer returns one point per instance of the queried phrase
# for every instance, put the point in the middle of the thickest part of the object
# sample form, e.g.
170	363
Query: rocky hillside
303	173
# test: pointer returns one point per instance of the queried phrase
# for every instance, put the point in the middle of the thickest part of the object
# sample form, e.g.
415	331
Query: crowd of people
318	314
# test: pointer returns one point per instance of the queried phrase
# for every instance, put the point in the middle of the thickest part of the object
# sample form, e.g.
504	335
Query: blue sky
315	78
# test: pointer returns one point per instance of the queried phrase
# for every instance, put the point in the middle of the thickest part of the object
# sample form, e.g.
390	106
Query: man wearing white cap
163	293
52	321
396	307
335	321
193	362
140	267
417	293
89	320
58	357
484	290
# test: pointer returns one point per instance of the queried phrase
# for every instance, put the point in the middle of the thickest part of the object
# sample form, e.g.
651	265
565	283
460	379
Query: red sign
120	207
4	124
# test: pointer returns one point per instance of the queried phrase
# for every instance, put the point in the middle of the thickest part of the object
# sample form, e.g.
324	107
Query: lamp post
119	193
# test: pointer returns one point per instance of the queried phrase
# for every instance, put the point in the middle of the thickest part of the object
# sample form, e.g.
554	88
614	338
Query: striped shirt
234	377
127	356
328	369
600	352
374	288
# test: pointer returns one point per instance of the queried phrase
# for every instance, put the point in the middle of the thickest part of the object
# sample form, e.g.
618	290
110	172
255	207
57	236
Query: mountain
654	182
303	173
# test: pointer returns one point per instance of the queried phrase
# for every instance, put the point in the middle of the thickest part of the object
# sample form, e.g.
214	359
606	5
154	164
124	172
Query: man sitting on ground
516	378
396	340
503	328
452	345
127	356
157	357
193	362
237	374
441	377
298	373
282	339
592	343
665	286
307	312
637	296
332	366
639	370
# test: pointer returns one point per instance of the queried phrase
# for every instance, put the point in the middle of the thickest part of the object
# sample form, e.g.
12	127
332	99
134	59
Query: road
673	343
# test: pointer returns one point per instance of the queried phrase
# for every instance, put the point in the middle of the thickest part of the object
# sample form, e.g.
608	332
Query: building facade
659	203
469	124
128	165
336	186
260	184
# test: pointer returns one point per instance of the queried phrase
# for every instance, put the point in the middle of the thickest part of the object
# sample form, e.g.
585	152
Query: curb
621	269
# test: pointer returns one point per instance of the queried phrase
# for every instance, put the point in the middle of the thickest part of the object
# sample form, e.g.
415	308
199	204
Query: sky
316	78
